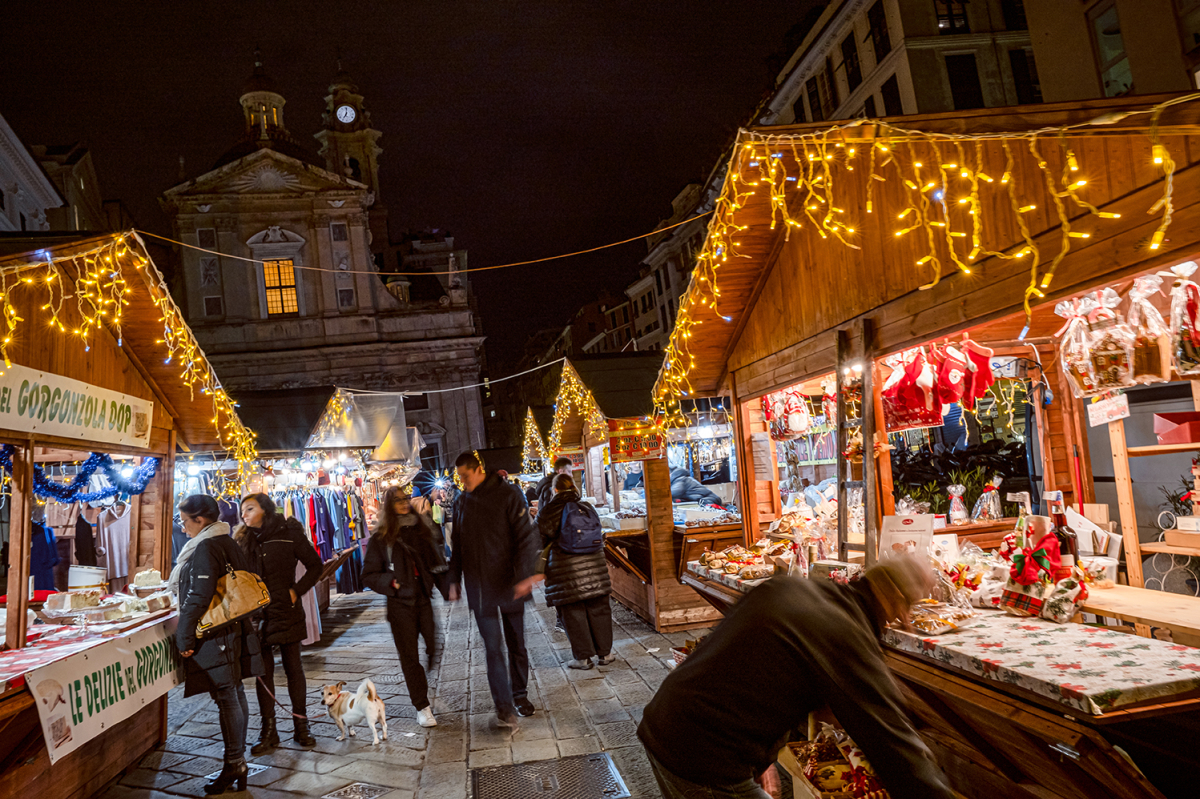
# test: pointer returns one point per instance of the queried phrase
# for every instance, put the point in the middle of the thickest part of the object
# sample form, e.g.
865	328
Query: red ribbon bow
1028	562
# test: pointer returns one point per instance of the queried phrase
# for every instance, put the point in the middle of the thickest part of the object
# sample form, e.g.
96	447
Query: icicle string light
944	195
95	283
533	450
573	396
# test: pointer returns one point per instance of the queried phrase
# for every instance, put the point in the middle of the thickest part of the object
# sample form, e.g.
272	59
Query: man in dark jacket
495	547
545	486
685	488
710	730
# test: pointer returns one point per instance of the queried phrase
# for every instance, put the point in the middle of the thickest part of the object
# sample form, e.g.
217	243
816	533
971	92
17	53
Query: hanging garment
43	557
312	615
981	377
951	376
114	540
85	541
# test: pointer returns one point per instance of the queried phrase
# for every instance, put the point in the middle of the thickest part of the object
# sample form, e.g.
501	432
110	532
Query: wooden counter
1175	612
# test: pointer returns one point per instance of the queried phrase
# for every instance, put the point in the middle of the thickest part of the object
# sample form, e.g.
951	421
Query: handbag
239	594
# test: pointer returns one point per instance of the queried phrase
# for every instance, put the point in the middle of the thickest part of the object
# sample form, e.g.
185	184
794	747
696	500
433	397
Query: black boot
268	739
301	734
230	773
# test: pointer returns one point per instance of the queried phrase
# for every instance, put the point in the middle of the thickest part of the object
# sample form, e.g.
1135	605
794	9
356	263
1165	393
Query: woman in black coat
578	585
217	663
275	545
402	563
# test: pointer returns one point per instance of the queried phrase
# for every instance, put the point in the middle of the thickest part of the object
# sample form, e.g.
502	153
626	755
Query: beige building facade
280	283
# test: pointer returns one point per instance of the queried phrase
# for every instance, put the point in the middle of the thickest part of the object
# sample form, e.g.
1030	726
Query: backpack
580	530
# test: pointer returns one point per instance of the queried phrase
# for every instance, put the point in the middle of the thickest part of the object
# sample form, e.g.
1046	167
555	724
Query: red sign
634	441
576	454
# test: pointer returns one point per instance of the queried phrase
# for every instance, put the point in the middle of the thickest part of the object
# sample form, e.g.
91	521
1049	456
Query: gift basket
1185	306
1152	337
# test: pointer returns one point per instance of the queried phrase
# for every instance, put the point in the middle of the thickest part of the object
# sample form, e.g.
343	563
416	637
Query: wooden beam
166	474
843	356
1129	528
870	497
20	536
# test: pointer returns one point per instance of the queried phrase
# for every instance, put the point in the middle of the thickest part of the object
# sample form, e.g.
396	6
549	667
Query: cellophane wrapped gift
1151	336
863	782
987	507
1185	309
958	508
1064	599
1034	557
1110	345
1073	351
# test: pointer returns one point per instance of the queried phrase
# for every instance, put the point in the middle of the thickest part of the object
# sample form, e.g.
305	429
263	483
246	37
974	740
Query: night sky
526	129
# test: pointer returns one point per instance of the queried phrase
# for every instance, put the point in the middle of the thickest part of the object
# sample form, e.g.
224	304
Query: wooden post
870	498
1129	528
660	529
843	352
20	536
166	478
887	490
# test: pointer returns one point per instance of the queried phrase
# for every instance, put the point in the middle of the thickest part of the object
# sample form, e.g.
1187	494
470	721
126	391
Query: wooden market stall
99	360
642	549
835	248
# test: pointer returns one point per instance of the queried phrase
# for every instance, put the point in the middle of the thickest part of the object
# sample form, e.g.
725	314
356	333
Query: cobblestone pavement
578	712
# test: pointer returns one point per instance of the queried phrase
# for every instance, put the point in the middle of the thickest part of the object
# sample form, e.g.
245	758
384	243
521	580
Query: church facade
284	289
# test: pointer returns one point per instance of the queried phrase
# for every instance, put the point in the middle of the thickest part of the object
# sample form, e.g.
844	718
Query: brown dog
348	709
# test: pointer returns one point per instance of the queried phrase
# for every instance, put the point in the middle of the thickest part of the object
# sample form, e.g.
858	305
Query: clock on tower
346	114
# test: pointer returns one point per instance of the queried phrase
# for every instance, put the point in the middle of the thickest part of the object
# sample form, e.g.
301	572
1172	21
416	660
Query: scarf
212	531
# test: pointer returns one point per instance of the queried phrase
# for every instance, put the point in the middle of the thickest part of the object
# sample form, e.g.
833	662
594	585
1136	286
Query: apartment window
346	298
658	281
416	402
1	199
1110	50
23	222
1189	23
207	238
280	280
869	110
1025	76
214	306
816	110
964	81
850	62
1014	15
671	307
881	39
662	312
628	334
339	231
625	314
952	17
890	92
830	93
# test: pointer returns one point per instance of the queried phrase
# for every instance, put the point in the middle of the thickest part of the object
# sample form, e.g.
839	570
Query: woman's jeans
234	714
297	686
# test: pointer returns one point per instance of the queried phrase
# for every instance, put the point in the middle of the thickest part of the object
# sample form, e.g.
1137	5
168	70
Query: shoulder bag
239	594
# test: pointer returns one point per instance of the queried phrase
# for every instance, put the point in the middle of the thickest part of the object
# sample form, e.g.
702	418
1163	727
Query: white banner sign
1108	410
81	696
41	402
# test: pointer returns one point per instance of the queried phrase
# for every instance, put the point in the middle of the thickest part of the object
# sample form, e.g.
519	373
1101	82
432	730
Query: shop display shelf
1163	449
1159	546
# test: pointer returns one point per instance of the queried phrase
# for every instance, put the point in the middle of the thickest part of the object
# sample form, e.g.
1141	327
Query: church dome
259	80
343	81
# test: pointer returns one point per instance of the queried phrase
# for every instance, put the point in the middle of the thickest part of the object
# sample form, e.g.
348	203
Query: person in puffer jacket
578	585
276	545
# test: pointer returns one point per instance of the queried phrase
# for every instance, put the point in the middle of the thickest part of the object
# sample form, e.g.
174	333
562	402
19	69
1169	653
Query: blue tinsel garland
75	491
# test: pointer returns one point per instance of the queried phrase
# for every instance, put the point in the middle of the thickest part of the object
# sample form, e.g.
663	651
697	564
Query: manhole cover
357	790
579	777
255	768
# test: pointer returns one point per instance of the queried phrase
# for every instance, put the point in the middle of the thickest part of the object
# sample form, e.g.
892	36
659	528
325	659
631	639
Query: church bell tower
350	146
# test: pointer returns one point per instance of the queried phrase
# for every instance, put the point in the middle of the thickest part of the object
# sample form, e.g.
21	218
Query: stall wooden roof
139	346
621	385
786	290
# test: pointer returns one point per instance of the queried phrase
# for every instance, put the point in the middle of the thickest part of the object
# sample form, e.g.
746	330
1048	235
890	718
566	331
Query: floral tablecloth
55	643
1086	668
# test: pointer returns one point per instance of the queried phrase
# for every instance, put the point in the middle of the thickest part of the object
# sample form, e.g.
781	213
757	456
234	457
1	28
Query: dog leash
281	704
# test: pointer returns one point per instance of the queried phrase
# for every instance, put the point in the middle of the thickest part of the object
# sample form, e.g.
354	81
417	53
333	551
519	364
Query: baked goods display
148	577
836	767
72	600
742	568
934	618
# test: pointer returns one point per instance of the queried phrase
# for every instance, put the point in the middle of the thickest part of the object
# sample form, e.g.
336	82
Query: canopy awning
373	421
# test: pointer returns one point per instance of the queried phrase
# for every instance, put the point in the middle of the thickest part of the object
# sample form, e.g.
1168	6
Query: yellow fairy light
1024	209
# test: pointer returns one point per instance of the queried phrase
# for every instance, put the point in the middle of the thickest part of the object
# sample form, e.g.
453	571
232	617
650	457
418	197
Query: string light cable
488	382
448	272
943	179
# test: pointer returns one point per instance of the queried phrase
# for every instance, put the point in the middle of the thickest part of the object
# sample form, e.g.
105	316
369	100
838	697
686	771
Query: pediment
266	172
